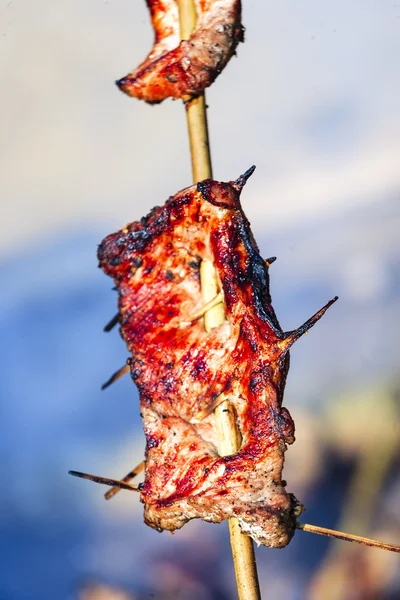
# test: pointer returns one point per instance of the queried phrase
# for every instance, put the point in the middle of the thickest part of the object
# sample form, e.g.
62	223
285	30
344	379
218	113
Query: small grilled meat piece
181	370
183	69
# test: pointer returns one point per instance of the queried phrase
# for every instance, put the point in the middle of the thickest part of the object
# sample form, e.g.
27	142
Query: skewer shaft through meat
177	68
181	370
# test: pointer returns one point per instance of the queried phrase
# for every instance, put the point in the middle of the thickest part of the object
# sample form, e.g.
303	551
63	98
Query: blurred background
313	100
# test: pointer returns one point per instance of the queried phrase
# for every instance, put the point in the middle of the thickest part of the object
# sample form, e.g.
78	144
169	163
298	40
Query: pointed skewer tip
112	323
242	180
121	82
128	477
115	376
293	336
107	481
347	537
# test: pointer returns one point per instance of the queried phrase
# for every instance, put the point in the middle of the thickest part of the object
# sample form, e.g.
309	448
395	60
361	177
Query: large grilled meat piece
181	370
183	69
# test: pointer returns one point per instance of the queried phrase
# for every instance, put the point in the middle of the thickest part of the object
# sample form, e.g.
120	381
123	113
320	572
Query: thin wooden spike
348	537
292	336
128	477
111	324
270	260
202	414
106	481
242	180
115	376
203	309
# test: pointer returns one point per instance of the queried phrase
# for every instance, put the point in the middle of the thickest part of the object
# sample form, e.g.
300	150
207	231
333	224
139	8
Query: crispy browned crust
182	69
180	369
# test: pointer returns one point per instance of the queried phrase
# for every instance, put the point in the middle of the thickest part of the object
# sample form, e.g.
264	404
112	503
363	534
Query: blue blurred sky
313	100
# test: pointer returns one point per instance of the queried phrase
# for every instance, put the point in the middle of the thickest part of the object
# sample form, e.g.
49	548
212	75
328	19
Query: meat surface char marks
182	69
180	369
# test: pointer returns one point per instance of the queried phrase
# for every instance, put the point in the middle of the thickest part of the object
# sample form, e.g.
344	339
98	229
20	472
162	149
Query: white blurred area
312	99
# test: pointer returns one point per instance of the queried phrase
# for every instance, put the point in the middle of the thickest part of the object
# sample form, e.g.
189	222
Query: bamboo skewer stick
196	114
229	443
106	481
199	142
112	323
348	537
228	434
218	299
115	376
128	477
242	559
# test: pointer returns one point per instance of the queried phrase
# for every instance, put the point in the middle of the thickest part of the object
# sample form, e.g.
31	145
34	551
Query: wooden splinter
270	260
218	299
112	323
106	481
115	376
128	477
202	414
347	537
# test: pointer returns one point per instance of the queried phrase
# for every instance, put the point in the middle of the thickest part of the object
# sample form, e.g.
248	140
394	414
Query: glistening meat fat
182	69
182	371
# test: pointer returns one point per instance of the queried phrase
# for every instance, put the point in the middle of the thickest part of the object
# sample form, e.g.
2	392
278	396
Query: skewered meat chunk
182	69
182	371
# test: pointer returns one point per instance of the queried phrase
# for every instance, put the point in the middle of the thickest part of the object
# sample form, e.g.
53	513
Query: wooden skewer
115	376
112	323
270	260
128	477
195	107
215	316
228	434
242	558
218	299
228	443
202	414
348	537
106	481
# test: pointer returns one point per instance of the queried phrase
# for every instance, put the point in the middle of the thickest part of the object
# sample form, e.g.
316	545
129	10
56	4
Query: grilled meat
182	69
182	371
